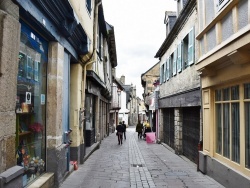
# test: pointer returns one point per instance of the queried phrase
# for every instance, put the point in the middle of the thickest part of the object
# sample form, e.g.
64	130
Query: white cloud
139	32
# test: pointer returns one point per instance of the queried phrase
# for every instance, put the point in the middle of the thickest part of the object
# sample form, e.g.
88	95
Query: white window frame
175	63
101	46
167	69
221	3
191	42
161	76
90	9
179	57
97	38
163	72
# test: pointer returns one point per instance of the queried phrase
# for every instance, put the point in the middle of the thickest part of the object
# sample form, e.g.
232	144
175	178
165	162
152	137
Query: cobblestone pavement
136	164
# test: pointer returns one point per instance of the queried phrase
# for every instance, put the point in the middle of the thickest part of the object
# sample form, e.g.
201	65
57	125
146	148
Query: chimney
114	72
122	80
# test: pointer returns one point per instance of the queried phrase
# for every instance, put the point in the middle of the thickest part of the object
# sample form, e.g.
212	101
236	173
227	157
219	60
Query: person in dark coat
119	133
124	129
139	128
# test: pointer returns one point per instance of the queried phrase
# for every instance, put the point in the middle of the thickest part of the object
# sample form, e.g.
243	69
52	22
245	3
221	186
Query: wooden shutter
191	47
167	69
179	57
174	62
161	75
163	72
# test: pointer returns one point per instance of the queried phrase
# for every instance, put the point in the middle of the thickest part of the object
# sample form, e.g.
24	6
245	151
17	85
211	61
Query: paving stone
136	164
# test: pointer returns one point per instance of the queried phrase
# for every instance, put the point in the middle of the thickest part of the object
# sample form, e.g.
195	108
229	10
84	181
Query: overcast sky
139	33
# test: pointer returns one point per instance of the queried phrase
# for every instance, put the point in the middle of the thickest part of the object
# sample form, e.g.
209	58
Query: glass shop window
30	104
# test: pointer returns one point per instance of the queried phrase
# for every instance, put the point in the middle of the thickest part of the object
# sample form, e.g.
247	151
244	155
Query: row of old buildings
197	95
58	88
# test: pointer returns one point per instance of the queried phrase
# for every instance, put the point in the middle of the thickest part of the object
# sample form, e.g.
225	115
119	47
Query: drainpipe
93	58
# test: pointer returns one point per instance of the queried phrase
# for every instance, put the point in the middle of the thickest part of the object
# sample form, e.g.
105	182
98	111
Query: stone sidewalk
136	164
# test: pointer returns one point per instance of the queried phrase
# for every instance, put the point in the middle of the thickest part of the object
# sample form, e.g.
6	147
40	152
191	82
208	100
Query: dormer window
89	6
170	18
221	3
180	5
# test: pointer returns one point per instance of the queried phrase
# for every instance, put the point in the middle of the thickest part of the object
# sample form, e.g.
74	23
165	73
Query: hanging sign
28	98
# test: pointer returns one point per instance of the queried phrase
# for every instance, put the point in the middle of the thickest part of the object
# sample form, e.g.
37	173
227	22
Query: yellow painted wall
228	76
86	19
75	103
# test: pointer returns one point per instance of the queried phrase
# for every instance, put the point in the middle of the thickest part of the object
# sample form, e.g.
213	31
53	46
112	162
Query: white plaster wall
188	78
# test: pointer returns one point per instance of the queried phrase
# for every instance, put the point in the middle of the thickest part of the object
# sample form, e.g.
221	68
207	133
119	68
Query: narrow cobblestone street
136	164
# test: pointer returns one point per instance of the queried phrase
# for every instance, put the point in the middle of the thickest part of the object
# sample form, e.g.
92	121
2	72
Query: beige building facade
179	89
224	42
148	80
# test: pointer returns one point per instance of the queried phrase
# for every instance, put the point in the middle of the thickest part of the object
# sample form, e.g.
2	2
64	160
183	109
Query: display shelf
25	133
26	113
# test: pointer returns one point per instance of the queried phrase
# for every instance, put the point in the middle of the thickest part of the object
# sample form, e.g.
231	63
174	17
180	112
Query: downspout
93	56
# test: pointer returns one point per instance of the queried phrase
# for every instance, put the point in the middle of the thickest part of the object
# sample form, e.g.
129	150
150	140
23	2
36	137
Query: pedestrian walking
139	128
119	133
147	127
124	129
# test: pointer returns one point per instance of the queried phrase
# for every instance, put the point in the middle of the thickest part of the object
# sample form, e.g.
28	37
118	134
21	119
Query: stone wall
9	49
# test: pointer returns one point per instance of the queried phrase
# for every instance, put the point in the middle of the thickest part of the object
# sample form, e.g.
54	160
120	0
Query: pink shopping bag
150	137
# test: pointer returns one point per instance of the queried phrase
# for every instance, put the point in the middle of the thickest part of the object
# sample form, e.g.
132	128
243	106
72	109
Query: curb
93	148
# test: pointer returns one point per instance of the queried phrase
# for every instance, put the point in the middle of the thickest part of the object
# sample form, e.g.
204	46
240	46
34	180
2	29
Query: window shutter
161	75
163	72
101	46
191	47
167	69
175	62
97	39
179	57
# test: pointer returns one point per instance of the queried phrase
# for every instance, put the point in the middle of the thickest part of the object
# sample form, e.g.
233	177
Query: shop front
30	104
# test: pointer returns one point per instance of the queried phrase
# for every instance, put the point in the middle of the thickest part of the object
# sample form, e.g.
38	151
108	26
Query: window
30	104
100	46
187	49
247	124
167	69
97	38
89	5
180	5
227	114
185	53
221	3
179	57
174	62
171	62
191	47
162	74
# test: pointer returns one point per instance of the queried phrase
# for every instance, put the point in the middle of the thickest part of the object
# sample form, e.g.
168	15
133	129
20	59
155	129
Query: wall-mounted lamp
68	132
67	144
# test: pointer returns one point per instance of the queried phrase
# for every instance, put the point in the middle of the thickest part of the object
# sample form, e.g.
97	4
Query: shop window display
30	104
